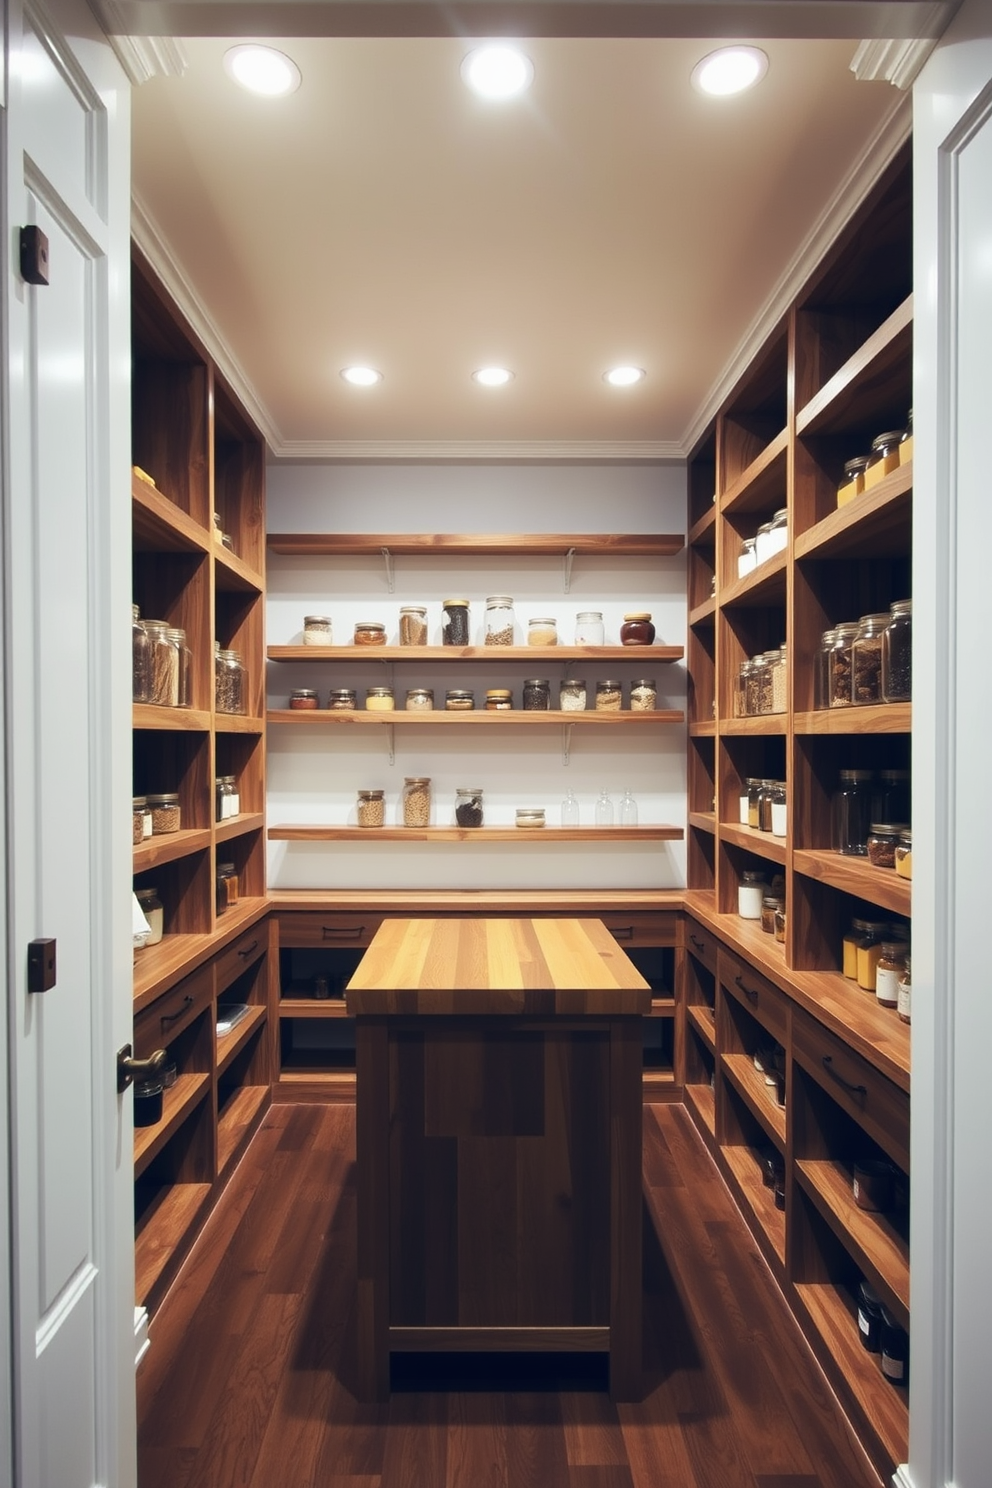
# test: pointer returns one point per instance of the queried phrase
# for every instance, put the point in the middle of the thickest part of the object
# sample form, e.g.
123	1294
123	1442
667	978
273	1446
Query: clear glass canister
229	682
780	924
821	686
420	700
379	700
227	798
303	700
589	628
141	660
752	687
572	695
499	700
866	660
779	671
890	796
778	537
185	682
853	481
317	630
897	653
751	891
151	908
851	813
744	796
499	620
754	789
166	813
459	700
883	839
371	808
763	667
468	806
869	950
228	886
141	821
779	809
165	664
904	854
643	695
839	666
609	696
537	694
765	805
413	625
341	699
369	633
542	630
770	905
763	542
455	630
747	558
888	972
417	801
741	697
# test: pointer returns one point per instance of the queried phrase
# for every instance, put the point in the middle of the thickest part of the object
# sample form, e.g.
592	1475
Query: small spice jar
609	696
151	908
904	853
499	700
779	807
542	630
141	820
420	700
455	631
869	950
883	839
894	1349
884	456
227	798
897	653
905	997
765	806
850	948
643	695
888	972
754	790
589	629
751	891
572	695
166	813
499	620
317	630
537	695
770	904
839	666
303	699
529	817
869	1318
637	629
369	633
871	1184
853	482
227	886
413	625
417	801
468	806
371	808
747	558
866	660
341	699
459	700
379	700
141	660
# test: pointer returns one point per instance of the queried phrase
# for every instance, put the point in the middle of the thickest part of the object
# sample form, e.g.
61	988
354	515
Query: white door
67	703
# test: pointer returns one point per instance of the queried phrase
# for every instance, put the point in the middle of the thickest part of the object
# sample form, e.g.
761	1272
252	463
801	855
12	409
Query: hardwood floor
248	1383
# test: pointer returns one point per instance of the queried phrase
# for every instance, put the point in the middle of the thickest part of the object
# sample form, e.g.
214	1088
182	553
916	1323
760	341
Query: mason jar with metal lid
840	666
413	625
468	806
317	630
420	700
778	536
589	628
371	808
369	633
141	821
184	683
643	695
537	694
821	695
165	664
151	908
609	696
459	700
763	542
499	700
379	700
341	699
542	630
455	630
229	682
417	801
853	482
166	813
884	456
897	653
572	695
500	623
303	699
866	660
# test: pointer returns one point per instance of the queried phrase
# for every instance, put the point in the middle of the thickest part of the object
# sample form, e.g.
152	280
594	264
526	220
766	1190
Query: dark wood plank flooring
249	1380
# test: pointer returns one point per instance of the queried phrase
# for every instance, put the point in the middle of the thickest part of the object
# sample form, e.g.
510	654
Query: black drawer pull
621	932
699	945
167	1019
342	932
246	952
828	1064
749	992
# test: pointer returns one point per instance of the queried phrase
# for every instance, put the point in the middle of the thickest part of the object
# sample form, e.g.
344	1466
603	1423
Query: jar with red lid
637	629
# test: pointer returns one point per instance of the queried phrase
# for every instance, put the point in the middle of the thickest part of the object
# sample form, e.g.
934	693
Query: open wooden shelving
483	835
416	654
502	545
178	1101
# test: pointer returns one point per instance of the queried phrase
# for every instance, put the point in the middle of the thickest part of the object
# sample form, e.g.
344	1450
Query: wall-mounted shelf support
566	564
387	559
566	742
391	744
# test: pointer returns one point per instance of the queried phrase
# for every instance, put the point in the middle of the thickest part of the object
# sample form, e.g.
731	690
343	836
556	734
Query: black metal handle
167	1019
700	945
246	952
749	992
828	1065
342	932
621	932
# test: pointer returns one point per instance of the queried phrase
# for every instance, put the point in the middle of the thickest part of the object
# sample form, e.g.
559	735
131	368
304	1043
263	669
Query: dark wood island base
499	1143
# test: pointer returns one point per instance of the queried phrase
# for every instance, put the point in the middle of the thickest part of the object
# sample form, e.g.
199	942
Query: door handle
129	1068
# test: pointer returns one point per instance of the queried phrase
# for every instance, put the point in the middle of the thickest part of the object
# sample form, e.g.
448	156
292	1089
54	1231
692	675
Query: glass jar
570	810
141	822
897	653
628	810
888	972
420	699
379	700
752	687
851	813
751	891
165	664
765	805
341	699
890	796
417	801
850	948
499	620
141	660
227	798
883	839
780	924
869	951
893	1348
530	817
227	886
459	700
853	482
151	908
317	630
637	629
747	558
413	625
904	853
754	788
779	809
884	456
778	536
369	633
839	666
643	695
184	684
609	696
779	672
905	995
740	694
229	682
303	699
866	660
763	675
869	1318
763	543
371	808
572	695
589	628
499	700
166	813
821	686
770	905
542	630
455	629
537	695
744	797
604	810
468	806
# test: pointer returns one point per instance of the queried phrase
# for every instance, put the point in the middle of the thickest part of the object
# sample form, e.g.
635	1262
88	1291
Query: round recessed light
263	70
361	376
729	70
492	376
624	376
497	70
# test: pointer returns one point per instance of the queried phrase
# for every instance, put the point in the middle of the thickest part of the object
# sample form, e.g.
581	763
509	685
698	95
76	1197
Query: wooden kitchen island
499	1142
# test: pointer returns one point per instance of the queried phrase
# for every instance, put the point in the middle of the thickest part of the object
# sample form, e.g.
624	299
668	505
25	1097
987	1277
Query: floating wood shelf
873	718
761	843
505	545
637	655
169	846
477	718
481	835
179	720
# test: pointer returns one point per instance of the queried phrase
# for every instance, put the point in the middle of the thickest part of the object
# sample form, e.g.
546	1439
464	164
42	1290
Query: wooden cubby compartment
242	755
702	483
186	889
756	412
175	587
239	479
239	624
167	760
701	675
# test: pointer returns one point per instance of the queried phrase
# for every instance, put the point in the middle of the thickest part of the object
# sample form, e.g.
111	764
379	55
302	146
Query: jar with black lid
455	629
537	694
166	813
869	1318
894	1349
371	808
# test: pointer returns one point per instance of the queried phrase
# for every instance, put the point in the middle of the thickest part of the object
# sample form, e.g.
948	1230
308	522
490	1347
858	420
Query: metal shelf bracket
566	564
391	743
566	742
387	559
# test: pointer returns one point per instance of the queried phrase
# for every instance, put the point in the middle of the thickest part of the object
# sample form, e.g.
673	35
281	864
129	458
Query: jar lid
530	813
608	682
542	620
499	692
782	515
225	867
303	692
752	876
342	692
316	619
416	780
886	829
765	527
893	950
459	692
638	615
413	609
901	607
857	465
468	790
589	615
573	682
747	543
150	1087
643	682
772	901
371	795
447	604
881	618
168	798
500	601
147	893
537	682
906	835
369	625
139	802
888	440
378	692
419	692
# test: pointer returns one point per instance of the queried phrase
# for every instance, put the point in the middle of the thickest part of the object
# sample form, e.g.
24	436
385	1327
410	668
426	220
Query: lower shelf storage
166	1216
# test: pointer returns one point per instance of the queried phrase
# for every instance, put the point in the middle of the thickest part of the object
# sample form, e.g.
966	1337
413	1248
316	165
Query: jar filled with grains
499	700
643	695
839	666
542	630
229	682
303	699
379	700
904	854
770	905
459	700
752	687
883	839
468	806
151	908
420	700
537	695
866	660
369	633
371	808
499	620
141	660
413	625
455	630
317	630
763	678
897	654
166	813
608	696
228	887
779	674
341	699
141	821
417	801
165	664
589	628
184	696
741	695
572	695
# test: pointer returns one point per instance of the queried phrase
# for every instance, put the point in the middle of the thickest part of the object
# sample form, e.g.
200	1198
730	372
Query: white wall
314	773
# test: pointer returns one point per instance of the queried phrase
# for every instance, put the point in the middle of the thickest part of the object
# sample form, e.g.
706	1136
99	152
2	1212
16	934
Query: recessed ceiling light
492	376
729	70
623	376
361	376
497	71
261	69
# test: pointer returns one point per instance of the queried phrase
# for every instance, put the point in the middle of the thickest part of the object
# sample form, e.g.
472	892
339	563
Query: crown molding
895	62
380	451
142	57
870	165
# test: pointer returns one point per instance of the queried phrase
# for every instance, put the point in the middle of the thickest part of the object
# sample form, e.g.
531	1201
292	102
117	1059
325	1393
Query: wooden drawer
701	944
327	928
641	927
877	1104
169	1014
239	955
765	1002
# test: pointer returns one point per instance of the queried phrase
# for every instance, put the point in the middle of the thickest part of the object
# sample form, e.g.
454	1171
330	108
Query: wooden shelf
233	575
881	1252
312	1007
765	585
746	1175
237	826
762	486
637	655
478	718
163	1231
178	1101
861	389
703	821
506	545
169	846
761	843
178	720
702	1022
238	723
876	524
300	833
235	1122
881	886
159	526
756	1095
873	718
703	532
703	1102
705	613
229	1045
159	967
706	729
766	724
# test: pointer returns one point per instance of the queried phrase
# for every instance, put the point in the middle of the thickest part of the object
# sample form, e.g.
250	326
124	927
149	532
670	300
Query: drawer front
701	944
874	1102
159	1023
327	928
240	954
765	1002
641	928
